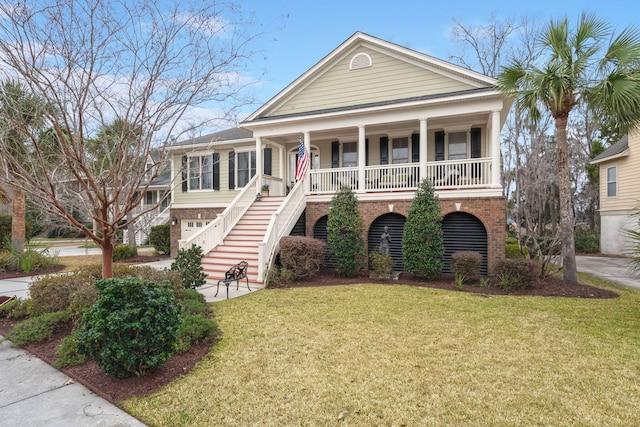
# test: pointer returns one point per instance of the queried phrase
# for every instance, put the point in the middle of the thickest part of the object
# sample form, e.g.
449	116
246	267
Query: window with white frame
201	172
400	150
349	154
612	181
246	168
457	145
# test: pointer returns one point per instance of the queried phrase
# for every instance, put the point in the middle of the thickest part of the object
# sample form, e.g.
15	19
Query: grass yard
383	355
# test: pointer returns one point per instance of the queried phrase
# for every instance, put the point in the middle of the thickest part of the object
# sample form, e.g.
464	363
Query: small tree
422	244
189	263
344	229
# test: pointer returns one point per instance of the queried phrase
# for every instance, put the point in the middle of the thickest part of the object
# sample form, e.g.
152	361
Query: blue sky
300	33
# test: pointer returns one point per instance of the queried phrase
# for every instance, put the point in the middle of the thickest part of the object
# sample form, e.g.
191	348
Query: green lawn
395	355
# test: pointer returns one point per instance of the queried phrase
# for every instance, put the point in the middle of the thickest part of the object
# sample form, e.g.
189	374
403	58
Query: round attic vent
361	60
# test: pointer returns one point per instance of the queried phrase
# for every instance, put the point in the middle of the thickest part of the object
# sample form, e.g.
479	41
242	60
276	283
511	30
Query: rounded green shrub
587	241
37	329
194	330
131	329
121	253
160	238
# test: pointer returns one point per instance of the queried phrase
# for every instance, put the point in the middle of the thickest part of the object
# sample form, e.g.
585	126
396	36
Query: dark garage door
463	232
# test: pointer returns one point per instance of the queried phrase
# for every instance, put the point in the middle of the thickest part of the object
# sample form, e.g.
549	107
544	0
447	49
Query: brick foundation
206	214
489	210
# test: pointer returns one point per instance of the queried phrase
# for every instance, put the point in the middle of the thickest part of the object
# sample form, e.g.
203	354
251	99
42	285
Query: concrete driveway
609	268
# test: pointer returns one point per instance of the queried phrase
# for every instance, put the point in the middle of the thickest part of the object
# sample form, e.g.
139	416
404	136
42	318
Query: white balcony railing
214	233
452	174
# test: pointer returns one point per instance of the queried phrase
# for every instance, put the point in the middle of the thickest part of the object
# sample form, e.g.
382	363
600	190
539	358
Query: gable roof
330	85
216	138
619	149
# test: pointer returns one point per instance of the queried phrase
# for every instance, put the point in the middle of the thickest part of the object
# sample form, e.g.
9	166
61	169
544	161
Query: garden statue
385	240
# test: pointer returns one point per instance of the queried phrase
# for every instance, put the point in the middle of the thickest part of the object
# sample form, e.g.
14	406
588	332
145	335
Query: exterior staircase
241	244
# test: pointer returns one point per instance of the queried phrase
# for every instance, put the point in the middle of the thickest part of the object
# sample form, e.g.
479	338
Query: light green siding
389	78
212	197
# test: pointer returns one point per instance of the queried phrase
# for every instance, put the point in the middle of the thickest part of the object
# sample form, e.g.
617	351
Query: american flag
303	162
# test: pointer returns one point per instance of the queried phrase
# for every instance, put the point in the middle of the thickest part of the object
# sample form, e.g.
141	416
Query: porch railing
281	224
451	174
214	233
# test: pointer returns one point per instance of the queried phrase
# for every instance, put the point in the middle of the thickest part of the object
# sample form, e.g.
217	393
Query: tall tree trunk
570	274
18	219
107	258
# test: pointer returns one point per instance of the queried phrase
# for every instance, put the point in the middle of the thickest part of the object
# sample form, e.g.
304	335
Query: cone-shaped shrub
344	233
422	243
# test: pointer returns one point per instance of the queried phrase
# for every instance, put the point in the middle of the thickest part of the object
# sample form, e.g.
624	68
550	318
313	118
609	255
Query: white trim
625	153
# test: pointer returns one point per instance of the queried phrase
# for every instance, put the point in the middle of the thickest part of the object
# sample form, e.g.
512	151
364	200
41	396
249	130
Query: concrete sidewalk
32	393
614	269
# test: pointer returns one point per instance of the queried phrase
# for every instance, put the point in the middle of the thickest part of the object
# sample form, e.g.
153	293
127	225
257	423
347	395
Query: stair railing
281	224
211	235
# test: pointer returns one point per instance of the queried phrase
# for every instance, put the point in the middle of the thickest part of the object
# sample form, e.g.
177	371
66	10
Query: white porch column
307	147
423	149
259	164
495	148
362	159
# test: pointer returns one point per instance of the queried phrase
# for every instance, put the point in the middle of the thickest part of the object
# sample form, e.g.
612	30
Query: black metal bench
235	273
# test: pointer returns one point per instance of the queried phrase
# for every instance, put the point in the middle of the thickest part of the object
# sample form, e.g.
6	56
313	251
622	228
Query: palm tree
19	110
577	66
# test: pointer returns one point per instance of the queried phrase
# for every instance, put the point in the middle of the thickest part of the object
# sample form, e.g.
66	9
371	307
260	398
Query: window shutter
266	159
439	145
185	174
415	148
335	154
216	171
384	150
232	170
366	152
476	149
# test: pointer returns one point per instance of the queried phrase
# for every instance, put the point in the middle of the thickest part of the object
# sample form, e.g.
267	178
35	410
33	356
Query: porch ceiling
381	128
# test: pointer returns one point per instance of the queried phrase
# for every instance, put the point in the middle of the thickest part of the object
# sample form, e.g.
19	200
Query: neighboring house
375	116
619	192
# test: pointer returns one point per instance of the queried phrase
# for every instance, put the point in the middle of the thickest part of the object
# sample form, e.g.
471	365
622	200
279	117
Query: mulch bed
114	390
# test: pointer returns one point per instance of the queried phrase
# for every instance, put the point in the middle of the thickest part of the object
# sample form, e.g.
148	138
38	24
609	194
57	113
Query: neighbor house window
457	145
201	172
246	167
612	181
349	155
400	150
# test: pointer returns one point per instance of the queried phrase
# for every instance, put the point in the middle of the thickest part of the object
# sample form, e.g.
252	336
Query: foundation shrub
302	255
587	241
38	328
67	353
381	265
344	233
121	253
513	274
192	303
195	330
279	277
160	238
131	329
15	309
189	264
466	264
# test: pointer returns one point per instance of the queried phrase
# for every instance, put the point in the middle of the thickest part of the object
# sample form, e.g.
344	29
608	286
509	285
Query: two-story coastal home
374	116
619	193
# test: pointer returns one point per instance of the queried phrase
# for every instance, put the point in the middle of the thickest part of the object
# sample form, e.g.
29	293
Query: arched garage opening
320	232
463	232
395	222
